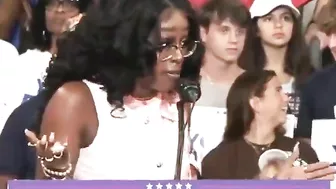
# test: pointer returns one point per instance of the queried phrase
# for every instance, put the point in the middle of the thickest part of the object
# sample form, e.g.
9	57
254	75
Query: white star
149	186
188	186
159	186
178	186
169	186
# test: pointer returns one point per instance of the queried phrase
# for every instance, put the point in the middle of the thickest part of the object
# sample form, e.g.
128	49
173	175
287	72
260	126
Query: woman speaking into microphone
111	111
254	145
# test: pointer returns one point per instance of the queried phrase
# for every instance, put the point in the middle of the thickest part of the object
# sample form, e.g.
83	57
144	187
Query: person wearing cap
278	45
318	99
258	96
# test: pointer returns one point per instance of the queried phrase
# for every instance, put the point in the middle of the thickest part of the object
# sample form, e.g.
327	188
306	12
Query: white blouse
140	146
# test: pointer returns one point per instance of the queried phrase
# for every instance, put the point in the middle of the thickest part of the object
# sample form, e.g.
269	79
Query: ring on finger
32	144
59	155
49	159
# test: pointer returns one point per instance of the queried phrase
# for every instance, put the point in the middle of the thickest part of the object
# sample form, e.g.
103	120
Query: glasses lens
188	48
167	52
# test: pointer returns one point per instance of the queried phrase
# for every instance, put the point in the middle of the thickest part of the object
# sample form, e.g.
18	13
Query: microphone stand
189	92
180	147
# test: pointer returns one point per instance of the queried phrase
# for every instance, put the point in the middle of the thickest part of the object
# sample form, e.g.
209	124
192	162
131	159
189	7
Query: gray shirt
213	95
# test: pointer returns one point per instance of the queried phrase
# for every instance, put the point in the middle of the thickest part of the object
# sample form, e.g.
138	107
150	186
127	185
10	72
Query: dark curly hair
111	47
41	37
297	59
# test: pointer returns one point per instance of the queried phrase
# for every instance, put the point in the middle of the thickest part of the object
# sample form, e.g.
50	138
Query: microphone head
189	91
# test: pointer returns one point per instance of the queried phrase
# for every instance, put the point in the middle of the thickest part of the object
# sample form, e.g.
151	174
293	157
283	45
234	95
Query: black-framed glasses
168	50
66	5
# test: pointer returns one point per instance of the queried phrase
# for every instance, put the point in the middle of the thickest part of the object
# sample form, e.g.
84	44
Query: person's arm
215	164
68	114
305	117
9	13
307	153
14	144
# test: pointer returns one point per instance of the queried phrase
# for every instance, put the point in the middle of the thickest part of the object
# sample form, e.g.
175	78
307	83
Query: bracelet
53	178
51	174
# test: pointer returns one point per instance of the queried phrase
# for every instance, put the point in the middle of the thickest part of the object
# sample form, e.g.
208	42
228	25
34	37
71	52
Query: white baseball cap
263	7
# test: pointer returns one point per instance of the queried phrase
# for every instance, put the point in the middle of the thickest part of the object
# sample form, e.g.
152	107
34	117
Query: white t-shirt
9	78
7	52
20	80
36	62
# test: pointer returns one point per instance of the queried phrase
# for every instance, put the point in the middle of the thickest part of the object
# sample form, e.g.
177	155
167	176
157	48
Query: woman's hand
319	170
53	154
193	175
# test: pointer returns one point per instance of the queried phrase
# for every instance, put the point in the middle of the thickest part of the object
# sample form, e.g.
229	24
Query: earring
44	35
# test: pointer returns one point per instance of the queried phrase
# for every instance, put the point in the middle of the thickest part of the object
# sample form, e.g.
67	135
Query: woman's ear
203	33
255	103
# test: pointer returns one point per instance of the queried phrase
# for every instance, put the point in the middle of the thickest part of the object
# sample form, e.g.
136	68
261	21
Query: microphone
189	91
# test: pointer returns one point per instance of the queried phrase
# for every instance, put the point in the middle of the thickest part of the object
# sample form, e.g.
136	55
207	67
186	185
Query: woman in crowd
256	111
51	18
111	111
279	46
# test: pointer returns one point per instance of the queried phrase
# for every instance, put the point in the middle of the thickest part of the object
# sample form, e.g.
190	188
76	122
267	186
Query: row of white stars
169	186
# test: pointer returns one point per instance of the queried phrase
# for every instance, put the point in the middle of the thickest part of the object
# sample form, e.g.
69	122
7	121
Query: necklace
259	148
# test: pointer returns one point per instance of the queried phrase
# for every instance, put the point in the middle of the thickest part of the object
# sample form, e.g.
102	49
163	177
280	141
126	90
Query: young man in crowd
318	99
224	24
224	27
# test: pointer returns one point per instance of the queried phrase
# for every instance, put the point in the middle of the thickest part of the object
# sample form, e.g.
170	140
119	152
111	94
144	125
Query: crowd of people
94	96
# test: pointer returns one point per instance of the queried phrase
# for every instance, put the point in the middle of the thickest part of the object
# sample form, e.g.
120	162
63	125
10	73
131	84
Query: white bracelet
50	173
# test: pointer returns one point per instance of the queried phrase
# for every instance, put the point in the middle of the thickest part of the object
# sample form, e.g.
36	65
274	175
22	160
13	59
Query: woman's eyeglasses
168	50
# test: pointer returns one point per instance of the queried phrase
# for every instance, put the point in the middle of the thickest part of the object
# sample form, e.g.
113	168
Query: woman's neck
143	90
219	71
275	57
260	133
53	45
276	60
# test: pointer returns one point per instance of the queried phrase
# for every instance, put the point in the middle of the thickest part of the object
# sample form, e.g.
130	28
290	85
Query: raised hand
286	170
54	156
